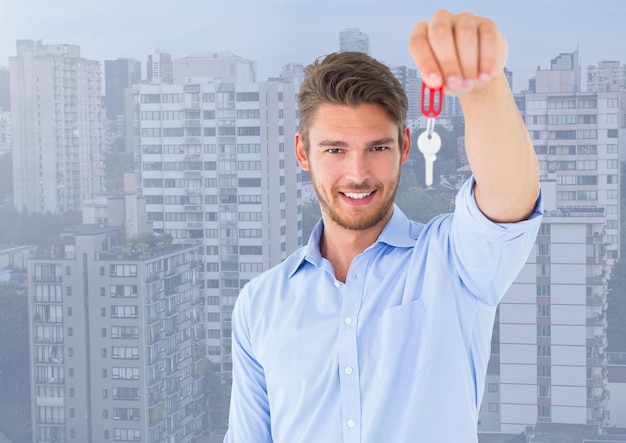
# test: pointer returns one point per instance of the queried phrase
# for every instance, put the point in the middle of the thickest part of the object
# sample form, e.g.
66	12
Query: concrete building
606	76
117	340
126	209
552	322
56	117
160	68
218	169
5	94
354	40
412	86
223	65
119	76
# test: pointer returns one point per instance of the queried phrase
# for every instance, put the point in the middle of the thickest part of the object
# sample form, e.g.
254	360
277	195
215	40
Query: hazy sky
275	32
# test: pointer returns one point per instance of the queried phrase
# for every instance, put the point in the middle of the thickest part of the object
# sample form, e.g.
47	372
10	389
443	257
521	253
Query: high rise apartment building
216	166
552	322
57	126
354	40
117	349
412	85
606	76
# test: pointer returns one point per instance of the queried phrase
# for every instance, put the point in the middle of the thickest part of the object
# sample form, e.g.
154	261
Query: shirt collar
398	232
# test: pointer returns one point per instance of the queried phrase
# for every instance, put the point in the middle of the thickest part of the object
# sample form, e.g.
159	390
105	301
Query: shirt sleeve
488	256
249	419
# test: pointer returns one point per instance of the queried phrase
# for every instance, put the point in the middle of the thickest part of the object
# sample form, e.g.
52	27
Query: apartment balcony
600	341
49	340
601	380
193	140
47	279
599	300
50	380
50	401
193	191
192	123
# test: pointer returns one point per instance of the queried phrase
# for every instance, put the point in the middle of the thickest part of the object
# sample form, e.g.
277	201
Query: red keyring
433	104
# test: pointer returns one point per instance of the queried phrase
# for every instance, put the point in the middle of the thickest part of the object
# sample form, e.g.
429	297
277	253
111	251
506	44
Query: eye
380	148
334	151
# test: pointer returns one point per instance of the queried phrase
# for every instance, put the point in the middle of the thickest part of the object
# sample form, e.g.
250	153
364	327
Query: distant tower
354	40
119	75
56	115
607	76
5	95
160	68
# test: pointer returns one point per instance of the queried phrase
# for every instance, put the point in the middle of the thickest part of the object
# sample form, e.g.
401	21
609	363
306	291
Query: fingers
458	51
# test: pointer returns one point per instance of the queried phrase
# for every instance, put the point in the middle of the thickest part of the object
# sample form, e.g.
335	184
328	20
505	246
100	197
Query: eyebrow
342	144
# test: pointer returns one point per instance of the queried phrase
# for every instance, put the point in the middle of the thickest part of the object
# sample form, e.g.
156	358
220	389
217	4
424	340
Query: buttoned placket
351	295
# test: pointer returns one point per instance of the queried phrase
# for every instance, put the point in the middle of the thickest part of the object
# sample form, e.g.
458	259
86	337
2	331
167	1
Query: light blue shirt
398	353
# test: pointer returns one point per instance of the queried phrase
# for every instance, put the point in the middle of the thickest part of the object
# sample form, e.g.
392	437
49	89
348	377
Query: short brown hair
350	79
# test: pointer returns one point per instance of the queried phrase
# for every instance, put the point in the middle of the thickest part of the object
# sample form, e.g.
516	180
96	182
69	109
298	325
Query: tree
14	364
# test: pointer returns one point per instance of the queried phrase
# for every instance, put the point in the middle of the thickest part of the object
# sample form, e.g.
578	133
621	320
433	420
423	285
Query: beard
359	219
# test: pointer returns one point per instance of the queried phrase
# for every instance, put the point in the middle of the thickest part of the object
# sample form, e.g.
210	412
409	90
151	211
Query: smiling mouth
357	195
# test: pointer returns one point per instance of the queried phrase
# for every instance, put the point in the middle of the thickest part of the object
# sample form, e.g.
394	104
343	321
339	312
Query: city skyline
273	33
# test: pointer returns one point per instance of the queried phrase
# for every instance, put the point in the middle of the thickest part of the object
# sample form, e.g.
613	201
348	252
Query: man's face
354	158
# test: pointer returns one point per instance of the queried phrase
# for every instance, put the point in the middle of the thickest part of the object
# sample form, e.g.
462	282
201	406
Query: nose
358	170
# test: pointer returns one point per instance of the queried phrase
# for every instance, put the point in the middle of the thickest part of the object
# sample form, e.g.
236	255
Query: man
379	329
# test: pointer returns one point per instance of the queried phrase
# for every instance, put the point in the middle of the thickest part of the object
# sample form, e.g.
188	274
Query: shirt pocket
404	343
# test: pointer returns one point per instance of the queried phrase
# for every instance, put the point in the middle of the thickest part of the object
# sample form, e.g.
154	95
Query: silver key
429	143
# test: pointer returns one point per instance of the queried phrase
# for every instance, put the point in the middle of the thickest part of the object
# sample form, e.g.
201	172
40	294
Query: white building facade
57	126
216	166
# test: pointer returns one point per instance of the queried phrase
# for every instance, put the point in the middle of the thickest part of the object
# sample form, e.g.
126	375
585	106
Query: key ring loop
432	101
430	126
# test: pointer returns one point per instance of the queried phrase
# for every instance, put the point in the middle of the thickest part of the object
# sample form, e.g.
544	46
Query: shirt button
347	320
348	370
351	423
337	284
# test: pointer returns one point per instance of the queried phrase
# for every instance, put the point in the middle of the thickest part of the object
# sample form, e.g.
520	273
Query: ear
406	145
301	156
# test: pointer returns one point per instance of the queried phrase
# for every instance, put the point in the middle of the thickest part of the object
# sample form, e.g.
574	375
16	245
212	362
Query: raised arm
467	54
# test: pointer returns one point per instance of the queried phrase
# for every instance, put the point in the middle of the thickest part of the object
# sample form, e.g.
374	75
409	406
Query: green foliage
30	228
14	364
616	311
116	164
218	393
311	213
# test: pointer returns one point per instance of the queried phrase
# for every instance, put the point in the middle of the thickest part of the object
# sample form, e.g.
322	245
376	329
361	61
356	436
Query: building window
543	249
104	373
68	290
543	351
103	352
544	371
493	407
71	372
543	290
543	411
543	310
70	332
543	330
492	387
544	391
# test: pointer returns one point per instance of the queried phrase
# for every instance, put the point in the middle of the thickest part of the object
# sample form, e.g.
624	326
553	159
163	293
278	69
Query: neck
339	245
